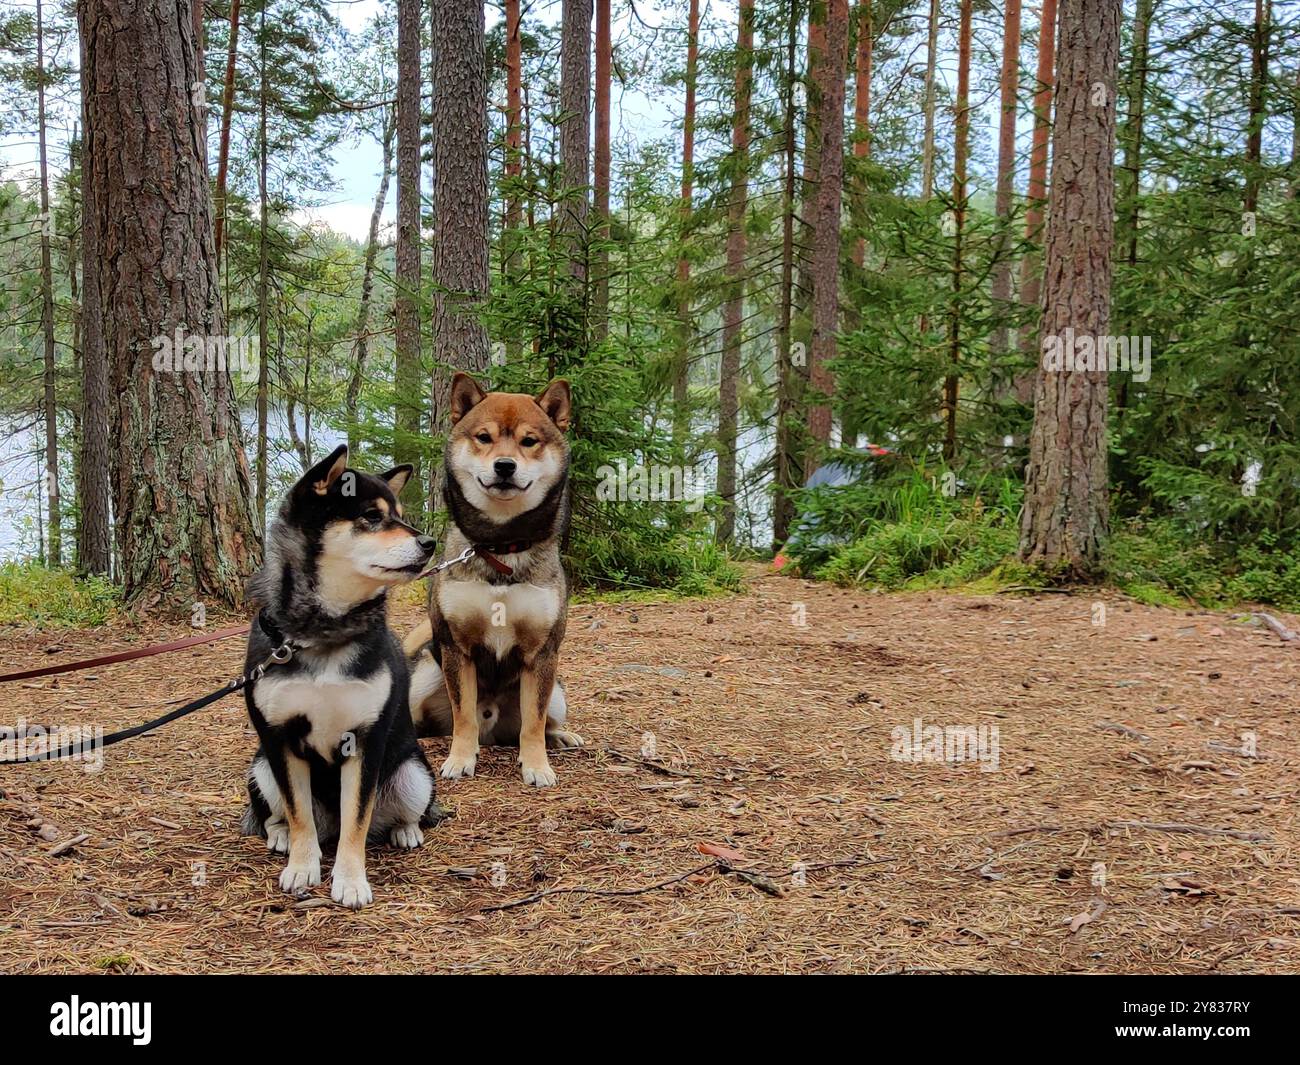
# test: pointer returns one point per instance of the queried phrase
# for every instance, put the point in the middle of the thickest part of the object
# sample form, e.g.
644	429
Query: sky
638	116
356	167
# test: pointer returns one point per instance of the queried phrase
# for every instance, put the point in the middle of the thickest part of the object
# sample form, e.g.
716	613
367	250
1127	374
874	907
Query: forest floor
1120	828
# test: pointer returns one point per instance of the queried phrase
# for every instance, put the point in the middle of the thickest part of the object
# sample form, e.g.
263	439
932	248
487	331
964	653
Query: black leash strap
278	657
126	734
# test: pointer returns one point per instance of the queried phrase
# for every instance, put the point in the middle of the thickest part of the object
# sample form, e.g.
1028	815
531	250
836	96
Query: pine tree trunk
72	260
1131	175
514	108
826	226
733	311
181	481
575	135
961	150
263	275
94	468
460	196
600	190
927	138
1010	89
409	409
681	364
1066	513
54	539
1031	277
1294	186
227	110
862	127
200	54
808	180
788	474
361	341
514	151
1258	83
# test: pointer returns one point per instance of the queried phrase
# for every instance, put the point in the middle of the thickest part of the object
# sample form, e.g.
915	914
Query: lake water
22	469
22	502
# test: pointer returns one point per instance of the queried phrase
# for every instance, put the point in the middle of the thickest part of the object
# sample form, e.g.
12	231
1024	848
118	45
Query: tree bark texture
460	194
733	311
1065	518
826	226
185	527
407	385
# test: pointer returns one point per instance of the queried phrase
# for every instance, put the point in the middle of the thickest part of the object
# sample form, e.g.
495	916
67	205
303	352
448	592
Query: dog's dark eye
374	515
528	441
484	438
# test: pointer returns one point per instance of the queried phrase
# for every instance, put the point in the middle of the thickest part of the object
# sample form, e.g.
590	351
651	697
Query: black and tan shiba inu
484	667
338	756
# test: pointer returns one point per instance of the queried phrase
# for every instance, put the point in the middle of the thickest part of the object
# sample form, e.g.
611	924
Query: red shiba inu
484	666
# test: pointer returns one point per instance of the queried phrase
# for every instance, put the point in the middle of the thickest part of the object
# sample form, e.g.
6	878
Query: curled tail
417	638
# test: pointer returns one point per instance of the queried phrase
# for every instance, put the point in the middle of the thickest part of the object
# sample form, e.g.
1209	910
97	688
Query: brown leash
125	656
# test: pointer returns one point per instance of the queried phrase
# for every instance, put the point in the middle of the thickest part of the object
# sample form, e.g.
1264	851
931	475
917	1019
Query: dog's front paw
408	837
561	738
298	876
541	776
277	837
351	890
459	764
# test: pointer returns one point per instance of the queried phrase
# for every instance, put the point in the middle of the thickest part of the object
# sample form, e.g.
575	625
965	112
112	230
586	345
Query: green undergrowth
910	536
33	595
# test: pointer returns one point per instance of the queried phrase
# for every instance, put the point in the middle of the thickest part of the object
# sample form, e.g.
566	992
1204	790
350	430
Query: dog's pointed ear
321	477
465	396
398	476
557	402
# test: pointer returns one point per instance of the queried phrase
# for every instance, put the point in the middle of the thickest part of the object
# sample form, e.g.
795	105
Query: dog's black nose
427	544
505	468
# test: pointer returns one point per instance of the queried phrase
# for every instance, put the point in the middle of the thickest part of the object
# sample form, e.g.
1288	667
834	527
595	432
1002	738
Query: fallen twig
1283	633
1227	748
982	865
667	770
67	845
528	900
1132	733
1196	830
1095	909
1021	831
751	876
1230	955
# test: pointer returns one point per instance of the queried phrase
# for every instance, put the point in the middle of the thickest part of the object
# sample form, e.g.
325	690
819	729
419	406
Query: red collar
488	553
